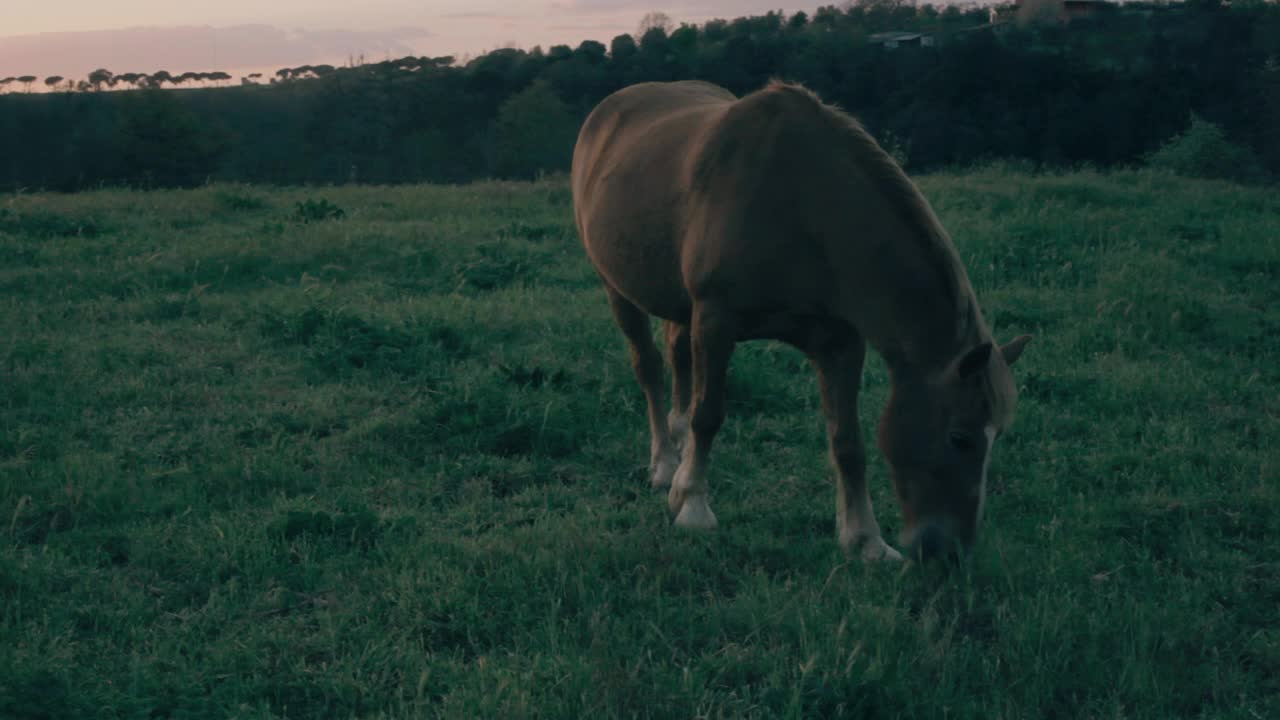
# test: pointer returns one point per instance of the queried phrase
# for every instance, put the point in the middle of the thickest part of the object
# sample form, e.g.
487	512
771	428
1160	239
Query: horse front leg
712	337
839	371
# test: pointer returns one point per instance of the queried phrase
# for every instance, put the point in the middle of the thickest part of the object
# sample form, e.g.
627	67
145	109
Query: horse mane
911	207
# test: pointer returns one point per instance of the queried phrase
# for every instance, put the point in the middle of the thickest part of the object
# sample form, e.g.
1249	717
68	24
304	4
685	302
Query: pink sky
73	37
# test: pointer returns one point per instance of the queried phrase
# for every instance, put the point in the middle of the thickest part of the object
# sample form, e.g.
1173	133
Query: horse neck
924	339
903	283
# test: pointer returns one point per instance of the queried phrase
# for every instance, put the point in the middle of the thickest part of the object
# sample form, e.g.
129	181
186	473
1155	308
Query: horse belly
645	270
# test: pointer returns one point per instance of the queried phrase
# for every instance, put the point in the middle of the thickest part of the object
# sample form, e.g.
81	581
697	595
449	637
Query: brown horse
778	216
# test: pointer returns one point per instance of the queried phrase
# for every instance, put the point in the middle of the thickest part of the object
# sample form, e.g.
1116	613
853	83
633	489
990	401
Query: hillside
378	452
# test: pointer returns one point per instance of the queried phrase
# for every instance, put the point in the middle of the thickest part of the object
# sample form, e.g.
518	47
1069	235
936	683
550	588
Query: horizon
240	38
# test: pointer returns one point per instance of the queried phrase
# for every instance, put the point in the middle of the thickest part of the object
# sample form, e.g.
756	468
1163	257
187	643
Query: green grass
259	459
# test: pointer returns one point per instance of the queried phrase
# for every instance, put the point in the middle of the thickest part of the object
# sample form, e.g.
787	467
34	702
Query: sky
73	37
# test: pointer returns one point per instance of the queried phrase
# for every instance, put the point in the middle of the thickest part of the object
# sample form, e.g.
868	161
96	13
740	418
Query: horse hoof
871	548
877	550
696	514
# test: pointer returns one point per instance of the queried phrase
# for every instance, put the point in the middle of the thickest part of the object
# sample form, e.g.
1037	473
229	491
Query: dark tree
655	21
533	133
591	51
164	143
622	49
100	77
132	78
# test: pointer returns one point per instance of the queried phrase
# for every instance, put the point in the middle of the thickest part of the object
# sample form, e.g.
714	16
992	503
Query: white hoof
696	514
874	549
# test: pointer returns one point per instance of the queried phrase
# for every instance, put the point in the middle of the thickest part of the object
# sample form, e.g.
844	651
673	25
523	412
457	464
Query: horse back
773	206
631	187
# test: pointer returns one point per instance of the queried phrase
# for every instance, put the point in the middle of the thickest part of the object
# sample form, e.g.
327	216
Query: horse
777	216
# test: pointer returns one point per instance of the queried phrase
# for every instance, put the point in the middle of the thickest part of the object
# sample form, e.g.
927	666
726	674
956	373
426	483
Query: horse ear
1013	349
974	360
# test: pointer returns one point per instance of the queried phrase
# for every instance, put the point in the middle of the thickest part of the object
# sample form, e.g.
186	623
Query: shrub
318	211
1203	150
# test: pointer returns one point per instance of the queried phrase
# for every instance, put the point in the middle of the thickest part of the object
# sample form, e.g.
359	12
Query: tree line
1103	90
103	78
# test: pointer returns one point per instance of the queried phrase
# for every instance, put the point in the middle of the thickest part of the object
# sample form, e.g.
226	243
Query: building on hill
894	40
1080	9
1004	13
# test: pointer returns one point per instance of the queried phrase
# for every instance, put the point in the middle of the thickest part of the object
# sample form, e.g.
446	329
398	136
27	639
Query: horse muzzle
935	540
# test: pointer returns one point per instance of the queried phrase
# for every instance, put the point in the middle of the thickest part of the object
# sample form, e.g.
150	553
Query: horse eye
960	441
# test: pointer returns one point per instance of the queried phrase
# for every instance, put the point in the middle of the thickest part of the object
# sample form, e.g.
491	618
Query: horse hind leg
647	363
679	355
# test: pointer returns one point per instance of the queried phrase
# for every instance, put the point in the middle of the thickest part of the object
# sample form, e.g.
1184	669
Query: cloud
596	5
590	28
179	49
474	16
718	8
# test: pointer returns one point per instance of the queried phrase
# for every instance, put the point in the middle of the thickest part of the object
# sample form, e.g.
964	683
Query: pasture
378	452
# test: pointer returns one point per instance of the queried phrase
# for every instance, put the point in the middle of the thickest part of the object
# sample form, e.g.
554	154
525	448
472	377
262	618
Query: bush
1203	150
318	211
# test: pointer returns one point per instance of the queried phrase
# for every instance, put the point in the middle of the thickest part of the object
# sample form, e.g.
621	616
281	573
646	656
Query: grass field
258	460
